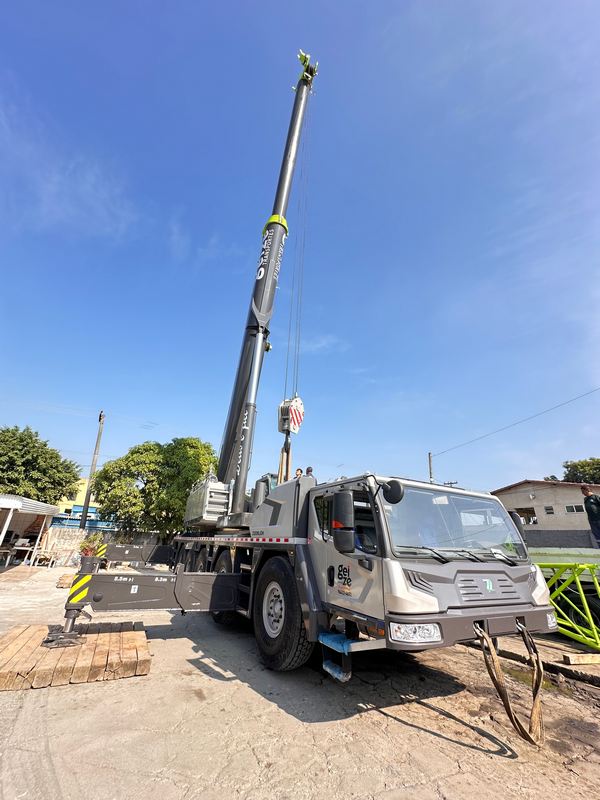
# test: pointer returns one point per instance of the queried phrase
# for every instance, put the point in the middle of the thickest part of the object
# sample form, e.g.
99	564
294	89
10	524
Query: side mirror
517	520
342	522
393	492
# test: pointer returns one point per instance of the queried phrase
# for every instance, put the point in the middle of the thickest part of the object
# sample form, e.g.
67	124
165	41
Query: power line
518	422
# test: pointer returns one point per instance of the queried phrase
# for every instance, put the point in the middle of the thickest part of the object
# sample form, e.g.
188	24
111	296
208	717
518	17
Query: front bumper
456	624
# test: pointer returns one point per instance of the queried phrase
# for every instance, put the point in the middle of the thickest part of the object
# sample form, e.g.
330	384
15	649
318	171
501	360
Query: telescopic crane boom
236	447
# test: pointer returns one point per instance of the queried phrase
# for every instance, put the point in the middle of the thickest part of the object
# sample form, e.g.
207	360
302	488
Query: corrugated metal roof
26	506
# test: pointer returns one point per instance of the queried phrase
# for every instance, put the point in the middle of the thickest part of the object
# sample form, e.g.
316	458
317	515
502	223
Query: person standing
309	474
592	507
298	473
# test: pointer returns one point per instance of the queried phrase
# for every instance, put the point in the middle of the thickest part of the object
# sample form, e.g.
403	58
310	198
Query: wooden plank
65	581
581	658
113	662
65	665
143	654
98	665
16	644
22	660
41	674
10	635
26	660
85	656
129	659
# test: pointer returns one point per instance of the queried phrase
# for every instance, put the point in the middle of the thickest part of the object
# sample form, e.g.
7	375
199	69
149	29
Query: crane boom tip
309	70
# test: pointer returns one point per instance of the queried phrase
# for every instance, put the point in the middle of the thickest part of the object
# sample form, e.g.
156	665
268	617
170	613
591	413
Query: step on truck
355	564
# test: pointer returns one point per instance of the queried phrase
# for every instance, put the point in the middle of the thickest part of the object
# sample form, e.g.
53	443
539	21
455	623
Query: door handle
366	563
330	575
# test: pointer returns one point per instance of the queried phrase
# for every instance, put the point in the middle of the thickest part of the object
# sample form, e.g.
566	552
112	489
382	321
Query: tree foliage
147	488
585	471
31	468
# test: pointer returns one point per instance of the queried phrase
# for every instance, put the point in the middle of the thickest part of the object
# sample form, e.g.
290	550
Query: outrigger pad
104	651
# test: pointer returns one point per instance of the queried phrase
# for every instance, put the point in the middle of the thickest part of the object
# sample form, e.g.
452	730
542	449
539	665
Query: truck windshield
429	518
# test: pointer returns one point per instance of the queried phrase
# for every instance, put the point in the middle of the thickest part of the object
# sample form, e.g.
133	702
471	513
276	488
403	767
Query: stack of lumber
108	650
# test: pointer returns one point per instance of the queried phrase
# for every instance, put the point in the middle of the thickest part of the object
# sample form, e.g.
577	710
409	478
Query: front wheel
278	627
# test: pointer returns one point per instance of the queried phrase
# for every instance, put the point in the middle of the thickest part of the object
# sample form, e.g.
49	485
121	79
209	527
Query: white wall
552	494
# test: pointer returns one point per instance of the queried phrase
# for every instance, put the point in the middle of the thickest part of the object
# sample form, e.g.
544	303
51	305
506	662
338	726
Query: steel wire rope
295	308
303	227
291	311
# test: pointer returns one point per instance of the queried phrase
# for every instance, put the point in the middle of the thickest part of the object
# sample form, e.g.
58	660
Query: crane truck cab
407	565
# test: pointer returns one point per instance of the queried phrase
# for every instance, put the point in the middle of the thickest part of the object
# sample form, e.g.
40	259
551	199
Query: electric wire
518	422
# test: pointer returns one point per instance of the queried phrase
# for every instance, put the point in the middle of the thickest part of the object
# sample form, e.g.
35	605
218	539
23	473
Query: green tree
147	488
31	468
585	471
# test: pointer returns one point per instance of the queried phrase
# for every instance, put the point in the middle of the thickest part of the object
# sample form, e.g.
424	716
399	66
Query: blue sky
451	279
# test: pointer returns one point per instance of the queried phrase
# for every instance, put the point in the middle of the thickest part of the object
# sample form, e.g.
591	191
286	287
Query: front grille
506	588
497	587
470	590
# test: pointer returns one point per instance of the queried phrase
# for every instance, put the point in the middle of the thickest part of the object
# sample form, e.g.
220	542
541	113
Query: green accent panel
276	218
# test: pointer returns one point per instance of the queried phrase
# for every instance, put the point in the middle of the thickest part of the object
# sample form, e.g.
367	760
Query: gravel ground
210	722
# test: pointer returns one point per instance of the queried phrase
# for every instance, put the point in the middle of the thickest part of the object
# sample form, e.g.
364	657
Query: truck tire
223	564
278	627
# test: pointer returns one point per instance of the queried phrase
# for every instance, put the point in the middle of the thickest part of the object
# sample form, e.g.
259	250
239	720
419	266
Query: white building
552	512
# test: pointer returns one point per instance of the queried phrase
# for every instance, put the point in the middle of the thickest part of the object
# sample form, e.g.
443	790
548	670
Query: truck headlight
551	618
405	632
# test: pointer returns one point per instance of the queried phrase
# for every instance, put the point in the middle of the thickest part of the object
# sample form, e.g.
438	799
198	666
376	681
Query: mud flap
187	591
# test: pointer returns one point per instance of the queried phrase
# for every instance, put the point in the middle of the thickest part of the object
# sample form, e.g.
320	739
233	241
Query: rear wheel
224	565
278	626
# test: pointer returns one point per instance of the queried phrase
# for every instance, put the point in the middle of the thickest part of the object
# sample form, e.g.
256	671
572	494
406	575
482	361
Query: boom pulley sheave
236	448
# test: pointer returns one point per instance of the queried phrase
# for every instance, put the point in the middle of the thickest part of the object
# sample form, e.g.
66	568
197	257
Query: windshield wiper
473	556
503	557
436	553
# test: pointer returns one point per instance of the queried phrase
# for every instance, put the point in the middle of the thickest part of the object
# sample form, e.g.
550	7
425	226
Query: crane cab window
323	511
365	537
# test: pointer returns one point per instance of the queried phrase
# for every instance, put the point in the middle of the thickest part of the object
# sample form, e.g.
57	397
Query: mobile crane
356	564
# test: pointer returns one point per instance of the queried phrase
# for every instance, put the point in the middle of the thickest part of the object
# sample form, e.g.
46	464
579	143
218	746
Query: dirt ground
209	723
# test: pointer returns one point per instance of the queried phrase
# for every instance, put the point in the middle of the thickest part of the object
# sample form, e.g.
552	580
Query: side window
365	537
323	509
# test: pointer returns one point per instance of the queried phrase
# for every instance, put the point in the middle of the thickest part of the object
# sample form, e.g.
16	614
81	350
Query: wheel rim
273	609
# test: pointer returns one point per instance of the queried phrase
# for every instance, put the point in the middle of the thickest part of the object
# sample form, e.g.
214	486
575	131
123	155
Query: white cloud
215	250
180	243
323	343
44	188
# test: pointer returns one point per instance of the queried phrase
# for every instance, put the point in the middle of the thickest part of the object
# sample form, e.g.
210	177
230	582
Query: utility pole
430	458
88	492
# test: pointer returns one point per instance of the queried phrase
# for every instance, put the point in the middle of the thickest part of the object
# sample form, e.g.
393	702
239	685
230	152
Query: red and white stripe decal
296	416
244	539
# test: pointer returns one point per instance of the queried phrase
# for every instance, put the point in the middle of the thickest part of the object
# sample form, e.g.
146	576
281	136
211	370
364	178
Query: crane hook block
291	415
